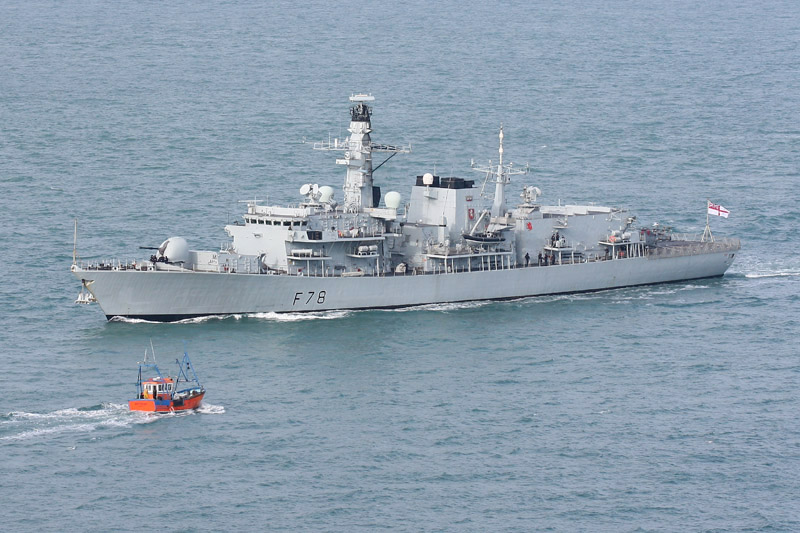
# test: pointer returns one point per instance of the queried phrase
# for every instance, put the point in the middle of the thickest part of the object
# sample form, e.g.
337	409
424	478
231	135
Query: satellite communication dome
175	249
427	179
392	199
326	193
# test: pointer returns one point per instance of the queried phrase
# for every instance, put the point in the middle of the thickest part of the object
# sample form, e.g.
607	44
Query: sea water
670	407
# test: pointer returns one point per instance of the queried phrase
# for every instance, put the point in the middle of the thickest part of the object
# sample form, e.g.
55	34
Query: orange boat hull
166	406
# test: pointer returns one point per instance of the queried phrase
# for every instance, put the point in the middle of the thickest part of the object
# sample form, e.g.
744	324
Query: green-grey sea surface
662	408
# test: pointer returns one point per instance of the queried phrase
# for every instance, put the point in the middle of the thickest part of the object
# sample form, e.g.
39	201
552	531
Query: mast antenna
152	350
75	244
500	174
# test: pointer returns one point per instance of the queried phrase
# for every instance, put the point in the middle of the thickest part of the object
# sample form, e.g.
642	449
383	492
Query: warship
454	240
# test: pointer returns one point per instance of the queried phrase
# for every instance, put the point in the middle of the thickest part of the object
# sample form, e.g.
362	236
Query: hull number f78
309	297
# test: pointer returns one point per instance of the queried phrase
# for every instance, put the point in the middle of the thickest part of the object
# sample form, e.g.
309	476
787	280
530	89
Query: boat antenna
75	244
185	367
152	350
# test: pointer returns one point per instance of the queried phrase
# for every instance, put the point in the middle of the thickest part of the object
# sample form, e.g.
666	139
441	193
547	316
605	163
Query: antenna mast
75	244
501	175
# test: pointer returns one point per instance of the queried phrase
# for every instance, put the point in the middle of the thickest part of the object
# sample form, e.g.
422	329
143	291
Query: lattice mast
358	149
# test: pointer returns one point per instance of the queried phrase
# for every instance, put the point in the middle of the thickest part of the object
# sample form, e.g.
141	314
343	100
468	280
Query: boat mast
152	351
75	244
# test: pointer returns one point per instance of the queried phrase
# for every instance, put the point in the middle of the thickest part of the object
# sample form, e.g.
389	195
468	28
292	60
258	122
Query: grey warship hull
172	295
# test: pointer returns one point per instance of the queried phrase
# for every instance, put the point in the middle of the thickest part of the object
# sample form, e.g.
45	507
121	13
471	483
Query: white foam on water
23	426
773	274
298	317
272	316
210	409
131	320
70	420
441	307
201	319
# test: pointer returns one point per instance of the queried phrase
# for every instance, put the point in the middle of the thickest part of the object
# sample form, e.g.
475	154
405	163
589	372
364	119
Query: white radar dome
175	250
326	193
392	199
427	179
305	189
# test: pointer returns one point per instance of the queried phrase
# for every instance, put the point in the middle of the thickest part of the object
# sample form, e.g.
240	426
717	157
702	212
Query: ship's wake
127	320
772	267
270	316
442	307
297	317
20	425
773	274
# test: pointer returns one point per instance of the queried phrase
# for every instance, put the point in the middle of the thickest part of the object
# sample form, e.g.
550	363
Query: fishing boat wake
81	421
779	274
19	425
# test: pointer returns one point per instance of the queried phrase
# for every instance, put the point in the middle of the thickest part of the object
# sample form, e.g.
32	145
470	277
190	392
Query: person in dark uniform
540	259
527	258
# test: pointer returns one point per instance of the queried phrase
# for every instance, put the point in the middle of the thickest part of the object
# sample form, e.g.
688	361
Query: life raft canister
529	226
471	213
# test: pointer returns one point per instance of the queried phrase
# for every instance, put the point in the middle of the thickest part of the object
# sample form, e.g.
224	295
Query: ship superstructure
454	240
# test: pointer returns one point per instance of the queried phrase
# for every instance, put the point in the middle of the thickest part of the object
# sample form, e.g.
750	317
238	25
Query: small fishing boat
161	394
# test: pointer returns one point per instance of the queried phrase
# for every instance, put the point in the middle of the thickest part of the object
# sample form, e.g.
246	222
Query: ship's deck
679	246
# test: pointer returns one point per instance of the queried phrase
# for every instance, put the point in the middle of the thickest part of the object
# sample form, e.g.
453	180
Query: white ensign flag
714	209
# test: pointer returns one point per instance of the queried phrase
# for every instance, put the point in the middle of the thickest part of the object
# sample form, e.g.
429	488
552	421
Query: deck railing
679	245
